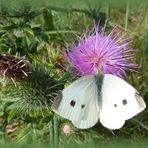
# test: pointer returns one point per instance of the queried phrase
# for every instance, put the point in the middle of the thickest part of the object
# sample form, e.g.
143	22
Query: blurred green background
40	32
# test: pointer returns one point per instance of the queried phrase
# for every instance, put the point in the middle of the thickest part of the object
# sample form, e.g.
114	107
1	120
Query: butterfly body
105	97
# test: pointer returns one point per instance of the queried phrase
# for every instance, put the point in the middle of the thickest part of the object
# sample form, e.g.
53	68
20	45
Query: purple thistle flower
111	54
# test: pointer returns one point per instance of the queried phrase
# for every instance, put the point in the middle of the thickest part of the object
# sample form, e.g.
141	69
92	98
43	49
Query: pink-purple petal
110	54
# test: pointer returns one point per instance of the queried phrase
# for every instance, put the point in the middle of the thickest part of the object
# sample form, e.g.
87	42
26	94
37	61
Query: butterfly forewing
78	102
120	102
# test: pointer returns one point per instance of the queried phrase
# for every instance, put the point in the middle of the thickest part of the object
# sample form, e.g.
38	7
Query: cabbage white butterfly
107	98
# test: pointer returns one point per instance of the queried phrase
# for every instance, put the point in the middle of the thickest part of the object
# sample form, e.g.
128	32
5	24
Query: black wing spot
82	106
115	105
124	102
72	103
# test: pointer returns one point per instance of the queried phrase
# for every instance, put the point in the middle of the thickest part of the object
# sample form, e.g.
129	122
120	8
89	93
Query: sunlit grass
42	36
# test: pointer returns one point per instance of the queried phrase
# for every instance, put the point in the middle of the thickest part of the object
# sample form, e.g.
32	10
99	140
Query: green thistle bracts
30	95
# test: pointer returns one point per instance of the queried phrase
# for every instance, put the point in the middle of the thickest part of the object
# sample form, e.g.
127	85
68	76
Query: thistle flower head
110	54
13	67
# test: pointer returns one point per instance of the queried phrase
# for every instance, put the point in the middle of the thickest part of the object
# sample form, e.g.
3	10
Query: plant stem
51	133
108	9
126	16
48	18
144	43
56	131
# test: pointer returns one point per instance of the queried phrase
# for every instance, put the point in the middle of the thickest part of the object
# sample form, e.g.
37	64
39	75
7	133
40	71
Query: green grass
42	35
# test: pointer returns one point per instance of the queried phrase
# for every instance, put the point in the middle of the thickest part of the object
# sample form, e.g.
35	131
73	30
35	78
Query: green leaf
33	46
1	109
24	134
48	18
12	114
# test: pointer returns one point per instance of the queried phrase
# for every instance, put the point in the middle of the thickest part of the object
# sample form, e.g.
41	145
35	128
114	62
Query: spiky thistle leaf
31	96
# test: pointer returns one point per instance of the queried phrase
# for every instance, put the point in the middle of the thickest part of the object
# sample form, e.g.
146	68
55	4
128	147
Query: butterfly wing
120	102
78	102
90	117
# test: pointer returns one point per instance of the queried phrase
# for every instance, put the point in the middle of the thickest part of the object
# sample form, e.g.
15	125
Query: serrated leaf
12	114
9	100
24	134
30	32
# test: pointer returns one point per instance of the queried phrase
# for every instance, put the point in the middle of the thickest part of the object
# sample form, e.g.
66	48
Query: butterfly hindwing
78	102
90	117
120	102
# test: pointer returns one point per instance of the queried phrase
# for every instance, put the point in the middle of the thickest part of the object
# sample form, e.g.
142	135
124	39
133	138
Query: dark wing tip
57	101
140	101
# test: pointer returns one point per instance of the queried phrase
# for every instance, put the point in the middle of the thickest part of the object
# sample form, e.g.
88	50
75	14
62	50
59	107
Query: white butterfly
106	97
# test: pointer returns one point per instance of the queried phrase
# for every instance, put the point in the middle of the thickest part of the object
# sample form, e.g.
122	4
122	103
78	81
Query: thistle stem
51	131
56	131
